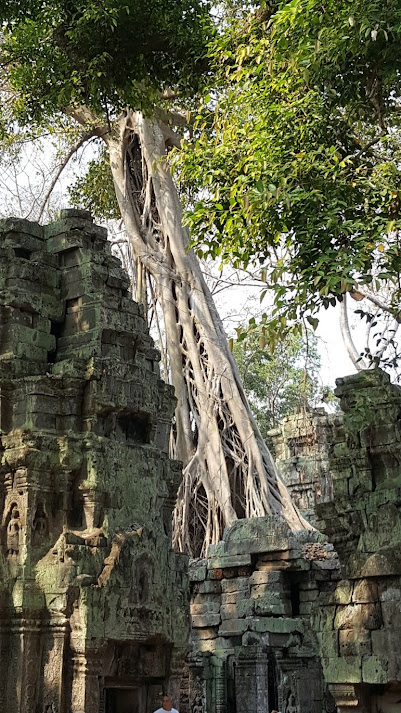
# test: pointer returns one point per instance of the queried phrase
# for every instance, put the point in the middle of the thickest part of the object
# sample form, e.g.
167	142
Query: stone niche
93	601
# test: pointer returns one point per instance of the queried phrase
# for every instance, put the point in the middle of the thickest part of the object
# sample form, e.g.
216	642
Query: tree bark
228	470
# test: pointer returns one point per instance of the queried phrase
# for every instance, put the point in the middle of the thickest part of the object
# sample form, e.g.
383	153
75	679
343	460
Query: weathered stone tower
93	602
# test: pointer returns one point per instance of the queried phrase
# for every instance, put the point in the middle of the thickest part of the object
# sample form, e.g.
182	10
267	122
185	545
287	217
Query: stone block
391	614
359	616
209	587
215	573
269	606
205	608
365	591
375	669
205	621
276	625
262	534
219	646
245	607
343	670
354	642
239	584
233	627
342	593
224	561
207	598
310	595
234	597
265	590
323	618
237	610
229	611
328	644
200	634
266	577
197	572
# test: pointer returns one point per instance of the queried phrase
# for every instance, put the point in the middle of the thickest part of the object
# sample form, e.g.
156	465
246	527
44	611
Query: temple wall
253	649
302	622
93	601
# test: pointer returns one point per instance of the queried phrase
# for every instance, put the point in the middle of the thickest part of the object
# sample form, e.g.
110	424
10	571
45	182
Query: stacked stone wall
253	649
93	601
298	622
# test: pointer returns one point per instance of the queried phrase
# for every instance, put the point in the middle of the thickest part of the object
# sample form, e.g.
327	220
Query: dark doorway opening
125	700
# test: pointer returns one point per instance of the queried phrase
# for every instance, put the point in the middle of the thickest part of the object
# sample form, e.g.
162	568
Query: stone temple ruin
312	623
94	604
93	601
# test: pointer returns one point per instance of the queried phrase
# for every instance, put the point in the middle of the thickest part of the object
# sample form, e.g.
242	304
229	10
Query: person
167	704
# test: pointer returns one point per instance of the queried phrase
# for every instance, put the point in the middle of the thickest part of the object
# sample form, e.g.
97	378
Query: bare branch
83	138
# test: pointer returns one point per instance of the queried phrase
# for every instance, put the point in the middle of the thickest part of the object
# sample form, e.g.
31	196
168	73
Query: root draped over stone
228	470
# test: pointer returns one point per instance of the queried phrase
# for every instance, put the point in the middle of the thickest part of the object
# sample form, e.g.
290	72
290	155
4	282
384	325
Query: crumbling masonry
281	621
93	602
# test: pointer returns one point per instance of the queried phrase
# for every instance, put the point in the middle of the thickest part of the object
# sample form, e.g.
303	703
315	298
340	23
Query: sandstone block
226	561
204	621
359	616
233	627
365	591
209	587
375	669
239	584
266	577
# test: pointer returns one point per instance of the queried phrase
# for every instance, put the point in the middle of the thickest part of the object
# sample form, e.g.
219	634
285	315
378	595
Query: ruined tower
93	601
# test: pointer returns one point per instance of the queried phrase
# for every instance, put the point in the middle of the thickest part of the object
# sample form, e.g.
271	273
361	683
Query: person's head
167	702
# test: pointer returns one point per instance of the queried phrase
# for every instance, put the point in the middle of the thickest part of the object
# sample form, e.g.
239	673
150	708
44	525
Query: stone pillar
175	675
31	663
197	683
4	658
54	674
85	694
218	704
251	680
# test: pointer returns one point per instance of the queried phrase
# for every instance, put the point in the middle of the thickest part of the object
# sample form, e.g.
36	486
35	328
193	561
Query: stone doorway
126	700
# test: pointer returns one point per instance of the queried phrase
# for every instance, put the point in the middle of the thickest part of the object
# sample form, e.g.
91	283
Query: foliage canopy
299	150
104	55
281	383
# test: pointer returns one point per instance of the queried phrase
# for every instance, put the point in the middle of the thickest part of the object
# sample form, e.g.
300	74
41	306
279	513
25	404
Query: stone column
85	694
54	674
219	687
4	658
31	663
198	674
251	680
175	675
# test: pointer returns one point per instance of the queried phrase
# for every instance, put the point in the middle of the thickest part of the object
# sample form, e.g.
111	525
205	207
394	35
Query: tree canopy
105	56
281	383
294	161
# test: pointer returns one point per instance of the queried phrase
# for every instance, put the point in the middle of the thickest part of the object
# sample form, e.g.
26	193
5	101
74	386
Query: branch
358	294
353	354
170	137
83	138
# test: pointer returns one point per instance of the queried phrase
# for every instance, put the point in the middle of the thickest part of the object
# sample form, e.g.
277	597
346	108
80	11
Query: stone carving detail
13	532
40	526
291	704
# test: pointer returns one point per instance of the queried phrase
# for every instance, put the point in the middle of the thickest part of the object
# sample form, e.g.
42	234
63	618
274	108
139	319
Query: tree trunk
228	470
